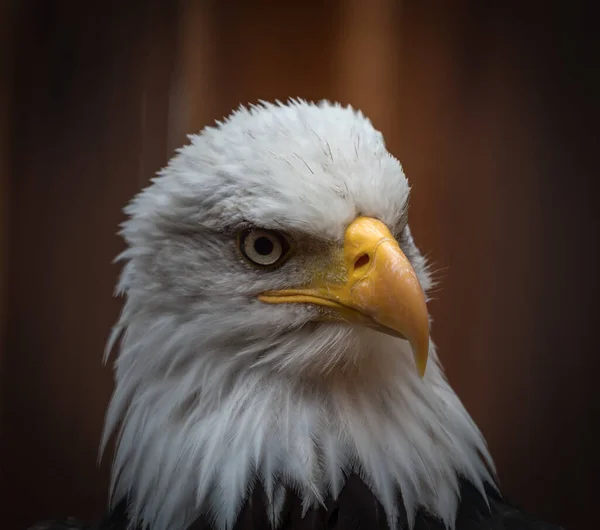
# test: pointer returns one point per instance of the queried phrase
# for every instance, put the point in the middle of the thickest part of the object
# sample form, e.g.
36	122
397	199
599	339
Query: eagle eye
263	248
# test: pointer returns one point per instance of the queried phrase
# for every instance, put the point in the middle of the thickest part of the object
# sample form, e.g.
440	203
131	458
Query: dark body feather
355	509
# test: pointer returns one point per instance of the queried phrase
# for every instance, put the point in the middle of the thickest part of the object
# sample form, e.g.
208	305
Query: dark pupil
263	246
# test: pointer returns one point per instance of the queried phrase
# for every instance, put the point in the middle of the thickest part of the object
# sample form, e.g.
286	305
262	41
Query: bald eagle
275	367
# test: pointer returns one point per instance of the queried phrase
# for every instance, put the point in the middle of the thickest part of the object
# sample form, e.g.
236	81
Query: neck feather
201	445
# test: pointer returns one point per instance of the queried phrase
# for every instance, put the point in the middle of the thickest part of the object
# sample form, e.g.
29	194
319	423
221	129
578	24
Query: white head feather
216	390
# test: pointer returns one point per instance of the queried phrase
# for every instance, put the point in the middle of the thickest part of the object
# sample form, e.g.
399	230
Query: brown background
492	112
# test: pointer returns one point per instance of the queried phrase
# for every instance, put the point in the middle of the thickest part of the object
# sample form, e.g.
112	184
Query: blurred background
492	111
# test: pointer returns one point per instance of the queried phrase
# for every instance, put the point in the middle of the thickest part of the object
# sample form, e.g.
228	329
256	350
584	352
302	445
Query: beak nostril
361	261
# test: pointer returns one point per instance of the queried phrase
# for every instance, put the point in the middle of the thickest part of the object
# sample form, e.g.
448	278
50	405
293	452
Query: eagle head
275	331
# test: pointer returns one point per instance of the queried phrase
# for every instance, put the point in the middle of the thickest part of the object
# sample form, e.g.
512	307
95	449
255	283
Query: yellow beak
373	284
